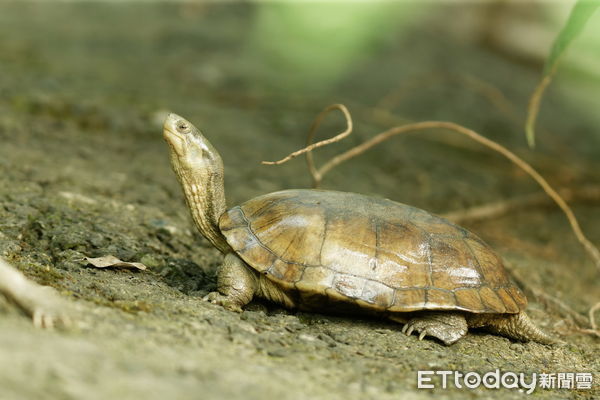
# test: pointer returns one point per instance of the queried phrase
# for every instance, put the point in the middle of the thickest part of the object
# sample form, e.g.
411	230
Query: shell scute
345	252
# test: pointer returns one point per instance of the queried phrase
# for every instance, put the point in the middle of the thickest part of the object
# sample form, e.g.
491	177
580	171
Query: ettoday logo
508	380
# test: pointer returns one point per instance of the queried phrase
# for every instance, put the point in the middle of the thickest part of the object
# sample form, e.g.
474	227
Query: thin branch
594	330
383	117
310	147
590	332
594	308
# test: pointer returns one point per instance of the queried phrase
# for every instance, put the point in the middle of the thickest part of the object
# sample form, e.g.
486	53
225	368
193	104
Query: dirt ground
84	172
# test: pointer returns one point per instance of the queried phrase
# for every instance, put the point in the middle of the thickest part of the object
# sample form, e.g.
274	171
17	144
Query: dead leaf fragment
114	262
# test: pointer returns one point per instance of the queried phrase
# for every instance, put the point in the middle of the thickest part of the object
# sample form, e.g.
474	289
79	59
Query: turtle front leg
448	327
236	284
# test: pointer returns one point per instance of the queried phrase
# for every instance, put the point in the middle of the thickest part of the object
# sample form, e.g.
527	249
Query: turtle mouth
170	134
169	127
172	137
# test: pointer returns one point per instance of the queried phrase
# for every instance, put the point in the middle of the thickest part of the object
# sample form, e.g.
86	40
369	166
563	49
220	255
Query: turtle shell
379	254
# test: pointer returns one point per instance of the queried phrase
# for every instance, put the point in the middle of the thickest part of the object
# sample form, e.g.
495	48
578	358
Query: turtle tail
519	326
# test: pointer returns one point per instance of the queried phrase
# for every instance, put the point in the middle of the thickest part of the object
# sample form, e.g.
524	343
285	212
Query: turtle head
190	150
199	169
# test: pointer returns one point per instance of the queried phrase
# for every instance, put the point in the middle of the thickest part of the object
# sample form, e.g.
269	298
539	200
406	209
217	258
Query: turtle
329	251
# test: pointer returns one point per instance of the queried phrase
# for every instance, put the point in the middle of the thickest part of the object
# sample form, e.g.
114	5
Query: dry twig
594	330
311	146
594	308
316	175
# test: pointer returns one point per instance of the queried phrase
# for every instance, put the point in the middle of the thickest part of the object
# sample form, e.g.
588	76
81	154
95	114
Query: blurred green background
287	51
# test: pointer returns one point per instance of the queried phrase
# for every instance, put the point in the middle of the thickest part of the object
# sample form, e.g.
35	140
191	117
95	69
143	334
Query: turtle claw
211	297
42	319
224	301
446	327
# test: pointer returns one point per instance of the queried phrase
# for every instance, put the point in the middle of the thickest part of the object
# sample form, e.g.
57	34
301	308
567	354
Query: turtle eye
183	127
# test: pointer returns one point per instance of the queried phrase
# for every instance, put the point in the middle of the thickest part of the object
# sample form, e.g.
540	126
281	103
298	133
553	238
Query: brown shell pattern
379	254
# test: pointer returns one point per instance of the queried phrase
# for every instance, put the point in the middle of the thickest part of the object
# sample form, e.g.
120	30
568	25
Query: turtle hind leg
236	284
448	327
516	326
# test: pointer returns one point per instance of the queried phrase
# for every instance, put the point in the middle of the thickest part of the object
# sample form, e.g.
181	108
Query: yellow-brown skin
335	251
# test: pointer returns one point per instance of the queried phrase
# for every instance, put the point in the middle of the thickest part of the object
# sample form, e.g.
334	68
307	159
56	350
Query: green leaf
580	14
